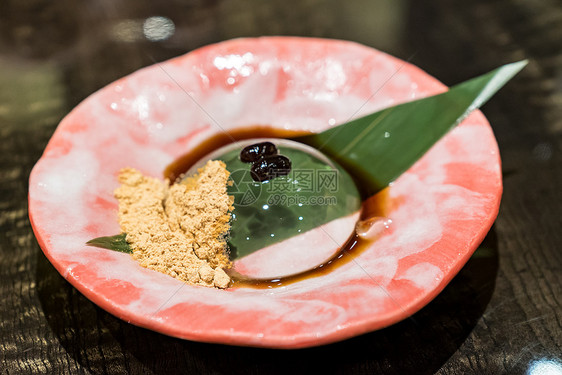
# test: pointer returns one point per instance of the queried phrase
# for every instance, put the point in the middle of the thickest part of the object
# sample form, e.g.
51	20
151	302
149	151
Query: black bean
252	153
269	167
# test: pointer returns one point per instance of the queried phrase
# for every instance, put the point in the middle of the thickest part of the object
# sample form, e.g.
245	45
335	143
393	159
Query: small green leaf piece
117	243
379	147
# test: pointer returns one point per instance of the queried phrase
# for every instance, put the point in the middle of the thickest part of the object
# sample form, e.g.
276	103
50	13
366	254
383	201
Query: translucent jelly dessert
295	215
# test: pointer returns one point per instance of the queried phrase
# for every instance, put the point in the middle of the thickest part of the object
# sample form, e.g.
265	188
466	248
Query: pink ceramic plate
441	208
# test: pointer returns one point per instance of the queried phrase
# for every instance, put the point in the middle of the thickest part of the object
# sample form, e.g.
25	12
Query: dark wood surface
501	314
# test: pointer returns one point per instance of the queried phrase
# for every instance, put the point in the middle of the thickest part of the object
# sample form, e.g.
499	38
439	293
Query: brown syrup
184	162
374	206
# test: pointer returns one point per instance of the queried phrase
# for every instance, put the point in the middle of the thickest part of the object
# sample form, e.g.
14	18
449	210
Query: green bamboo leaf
117	243
374	149
379	147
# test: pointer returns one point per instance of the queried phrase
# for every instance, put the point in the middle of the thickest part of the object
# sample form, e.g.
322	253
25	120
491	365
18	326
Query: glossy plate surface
441	208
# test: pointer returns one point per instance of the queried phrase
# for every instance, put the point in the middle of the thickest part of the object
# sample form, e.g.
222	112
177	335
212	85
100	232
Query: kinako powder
179	229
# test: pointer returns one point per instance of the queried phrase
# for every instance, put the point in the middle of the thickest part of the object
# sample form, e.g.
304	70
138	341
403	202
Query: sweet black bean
269	167
252	153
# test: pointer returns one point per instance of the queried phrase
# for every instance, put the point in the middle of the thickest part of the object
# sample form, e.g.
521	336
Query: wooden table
501	314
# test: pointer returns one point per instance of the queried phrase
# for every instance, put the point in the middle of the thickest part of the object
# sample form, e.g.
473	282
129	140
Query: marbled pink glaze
441	208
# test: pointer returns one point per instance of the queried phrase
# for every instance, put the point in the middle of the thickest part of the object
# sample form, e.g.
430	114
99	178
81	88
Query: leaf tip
515	67
117	243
